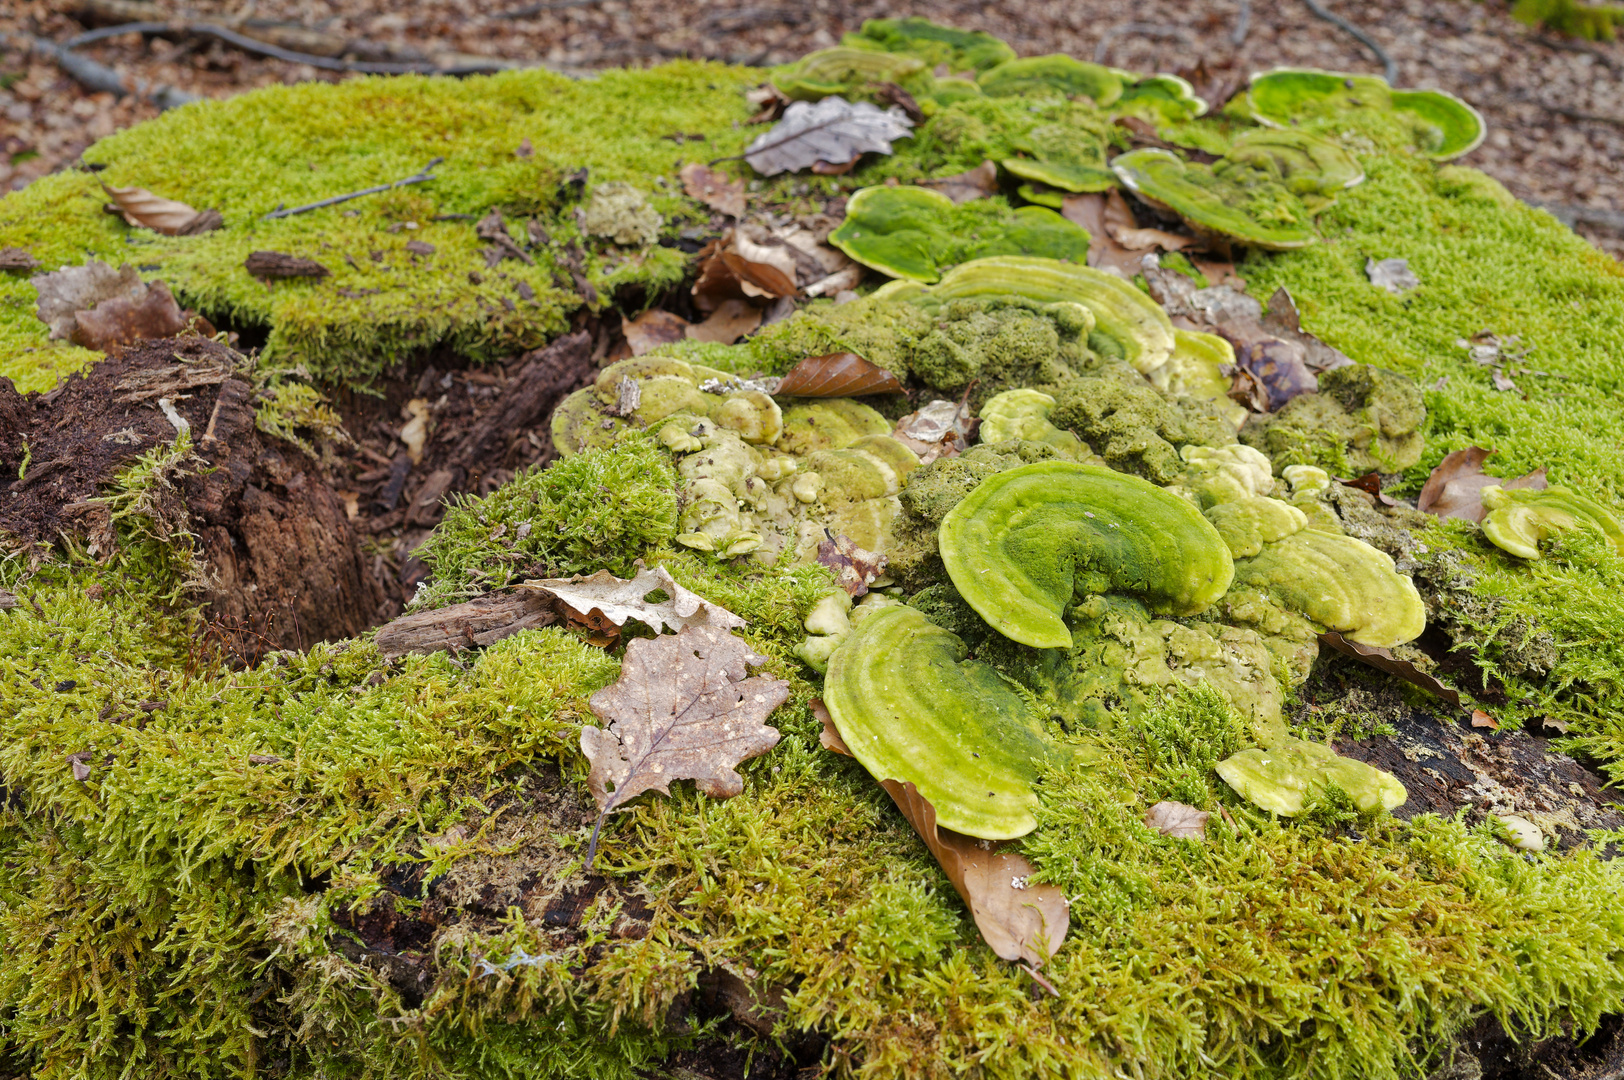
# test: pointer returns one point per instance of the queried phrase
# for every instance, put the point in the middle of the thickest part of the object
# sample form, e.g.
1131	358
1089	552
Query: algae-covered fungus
643	390
1518	520
1195	371
1363	418
845	71
1131	324
1055	75
1283	777
1160	99
1061	156
1134	428
1442	125
989	344
912	707
910	232
960	50
1264	192
1025	541
1024	414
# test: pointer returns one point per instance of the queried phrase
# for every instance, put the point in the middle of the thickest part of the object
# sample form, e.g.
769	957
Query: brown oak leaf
833	375
685	708
1383	660
1455	488
713	188
602	598
1018	919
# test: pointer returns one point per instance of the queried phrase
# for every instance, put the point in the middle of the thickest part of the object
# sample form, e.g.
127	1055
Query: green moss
1363	418
1133	427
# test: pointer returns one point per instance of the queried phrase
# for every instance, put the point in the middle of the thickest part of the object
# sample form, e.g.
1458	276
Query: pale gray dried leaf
1178	820
619	599
1394	275
939	429
684	708
833	130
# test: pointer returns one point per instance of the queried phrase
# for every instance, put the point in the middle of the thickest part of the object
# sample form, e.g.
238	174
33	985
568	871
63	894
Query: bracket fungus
912	707
1053	75
843	70
1024	542
909	232
960	50
1061	156
1134	323
1363	418
1197	371
644	390
1518	520
1282	778
1024	414
1160	98
1443	125
1335	582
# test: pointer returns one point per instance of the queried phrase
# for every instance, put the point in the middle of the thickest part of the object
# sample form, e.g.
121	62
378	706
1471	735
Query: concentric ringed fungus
1518	520
1166	181
1282	778
1056	73
1445	126
1339	583
1025	541
911	707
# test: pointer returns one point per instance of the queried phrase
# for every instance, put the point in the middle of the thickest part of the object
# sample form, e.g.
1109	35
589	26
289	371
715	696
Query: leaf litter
855	568
142	208
685	708
97	307
832	132
1455	487
603	598
835	375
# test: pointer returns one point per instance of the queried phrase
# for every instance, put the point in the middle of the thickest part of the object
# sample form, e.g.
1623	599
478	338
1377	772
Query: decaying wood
474	624
548	374
276	264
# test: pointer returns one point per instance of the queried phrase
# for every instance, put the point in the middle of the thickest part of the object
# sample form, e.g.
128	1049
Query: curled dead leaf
601	599
16	258
1104	252
835	375
684	708
833	132
97	307
1455	488
713	188
138	206
939	429
1122	226
732	320
1483	719
1384	660
1178	820
1278	366
1370	484
855	568
653	328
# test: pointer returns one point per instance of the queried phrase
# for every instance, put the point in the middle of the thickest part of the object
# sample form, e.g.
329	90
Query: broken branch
416	178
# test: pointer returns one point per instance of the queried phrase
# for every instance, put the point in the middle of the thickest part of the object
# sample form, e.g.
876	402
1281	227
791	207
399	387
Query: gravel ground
1552	104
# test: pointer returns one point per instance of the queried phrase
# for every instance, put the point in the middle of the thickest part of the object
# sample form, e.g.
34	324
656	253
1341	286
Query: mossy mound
330	865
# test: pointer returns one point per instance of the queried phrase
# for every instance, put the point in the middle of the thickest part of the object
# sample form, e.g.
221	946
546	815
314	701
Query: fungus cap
1196	371
1165	180
1055	73
1025	541
960	50
1024	414
829	71
1281	778
911	707
1161	98
1339	583
1448	127
1519	519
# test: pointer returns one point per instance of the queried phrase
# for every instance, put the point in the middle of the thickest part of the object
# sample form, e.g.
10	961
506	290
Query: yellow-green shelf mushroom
960	50
839	70
1336	582
1282	778
1055	75
1518	520
1025	541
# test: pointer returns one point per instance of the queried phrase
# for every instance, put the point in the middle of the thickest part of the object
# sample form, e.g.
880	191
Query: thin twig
97	77
276	52
1390	68
416	178
1243	24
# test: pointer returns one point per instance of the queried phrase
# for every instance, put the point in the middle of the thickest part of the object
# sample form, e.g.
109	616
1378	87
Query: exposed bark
474	624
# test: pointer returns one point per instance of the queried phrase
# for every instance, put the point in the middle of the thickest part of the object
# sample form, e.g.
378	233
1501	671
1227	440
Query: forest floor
1552	104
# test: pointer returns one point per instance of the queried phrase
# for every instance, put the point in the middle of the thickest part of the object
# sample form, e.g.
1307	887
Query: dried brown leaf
976	183
1370	484
732	320
97	307
835	375
1017	919
759	278
1121	225
1394	275
16	258
1284	322
1483	719
1383	660
1218	272
277	264
141	207
1178	820
602	599
684	708
653	328
1278	366
855	568
889	93
1455	488
1104	253
939	429
713	189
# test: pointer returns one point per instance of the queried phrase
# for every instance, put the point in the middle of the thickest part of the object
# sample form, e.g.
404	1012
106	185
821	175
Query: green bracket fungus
843	70
1248	524
1282	778
1061	156
1025	541
1442	125
1134	322
911	707
1134	428
1306	164
960	50
1052	75
1160	99
1024	414
644	390
1195	371
909	232
1223	474
1336	582
1518	520
986	345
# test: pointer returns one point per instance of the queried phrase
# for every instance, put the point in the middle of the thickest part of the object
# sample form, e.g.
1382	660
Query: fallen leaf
1455	488
837	282
1277	364
418	247
836	168
1104	253
976	183
1218	272
141	207
1501	380
769	101
1383	660
1283	321
684	708
889	93
732	320
728	272
1370	484
97	307
7	600
616	600
653	328
1559	726
277	264
1178	820
1483	719
713	189
832	131
1120	224
833	375
940	429
16	258
524	149
1394	275
855	568
1019	920
1247	389
81	771
1214	85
